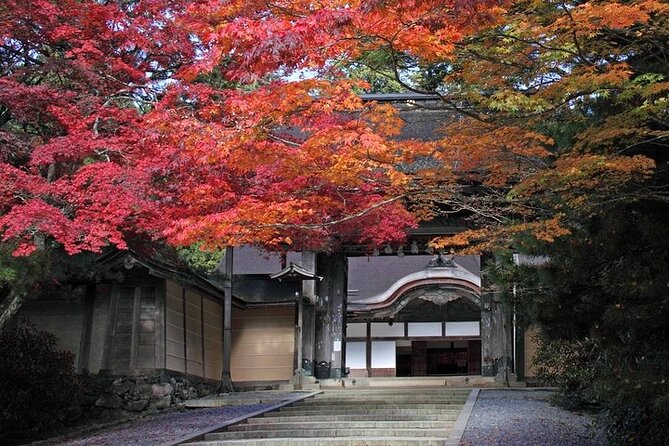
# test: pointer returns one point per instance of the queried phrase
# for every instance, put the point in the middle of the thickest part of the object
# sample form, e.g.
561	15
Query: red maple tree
110	126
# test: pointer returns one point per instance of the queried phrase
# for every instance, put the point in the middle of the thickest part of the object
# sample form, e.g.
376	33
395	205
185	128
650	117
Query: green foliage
204	262
379	81
46	267
601	305
375	68
429	77
7	274
569	364
37	381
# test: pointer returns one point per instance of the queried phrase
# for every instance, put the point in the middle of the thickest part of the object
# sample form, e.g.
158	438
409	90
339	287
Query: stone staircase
374	417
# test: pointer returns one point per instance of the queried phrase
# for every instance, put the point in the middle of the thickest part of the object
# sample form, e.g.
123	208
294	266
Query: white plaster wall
356	330
383	355
424	329
469	328
383	330
356	355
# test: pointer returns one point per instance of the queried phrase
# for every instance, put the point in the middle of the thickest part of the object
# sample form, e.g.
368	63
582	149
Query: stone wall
151	392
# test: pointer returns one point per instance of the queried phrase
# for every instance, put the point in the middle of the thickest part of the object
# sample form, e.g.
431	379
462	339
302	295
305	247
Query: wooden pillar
368	349
487	354
309	310
226	378
505	327
496	334
308	331
520	359
331	313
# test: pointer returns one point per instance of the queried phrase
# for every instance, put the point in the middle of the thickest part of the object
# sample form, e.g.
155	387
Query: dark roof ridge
392	97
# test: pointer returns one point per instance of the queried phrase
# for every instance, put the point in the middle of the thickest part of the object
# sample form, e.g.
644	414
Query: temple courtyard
371	416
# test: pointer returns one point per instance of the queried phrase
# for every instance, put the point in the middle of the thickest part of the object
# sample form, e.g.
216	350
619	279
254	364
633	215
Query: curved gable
456	277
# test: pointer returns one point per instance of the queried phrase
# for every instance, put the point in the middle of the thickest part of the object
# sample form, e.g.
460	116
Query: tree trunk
9	307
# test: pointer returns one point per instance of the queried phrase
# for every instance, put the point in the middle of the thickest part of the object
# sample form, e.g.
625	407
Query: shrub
37	381
568	364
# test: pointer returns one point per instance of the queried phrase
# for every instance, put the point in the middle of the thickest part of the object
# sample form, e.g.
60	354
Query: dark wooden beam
226	377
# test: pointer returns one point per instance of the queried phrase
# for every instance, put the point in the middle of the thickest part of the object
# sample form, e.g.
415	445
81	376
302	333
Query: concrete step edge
379	411
328	441
362	417
344	425
326	433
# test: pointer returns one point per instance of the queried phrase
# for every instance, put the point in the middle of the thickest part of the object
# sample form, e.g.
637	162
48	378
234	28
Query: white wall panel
384	330
424	329
356	355
469	328
383	355
356	330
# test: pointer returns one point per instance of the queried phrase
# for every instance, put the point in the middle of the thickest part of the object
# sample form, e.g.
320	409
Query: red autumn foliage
107	131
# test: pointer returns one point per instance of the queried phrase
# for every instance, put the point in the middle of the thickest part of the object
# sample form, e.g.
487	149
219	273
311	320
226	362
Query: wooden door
418	358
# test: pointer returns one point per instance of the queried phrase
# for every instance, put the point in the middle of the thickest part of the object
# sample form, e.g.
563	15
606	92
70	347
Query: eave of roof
166	270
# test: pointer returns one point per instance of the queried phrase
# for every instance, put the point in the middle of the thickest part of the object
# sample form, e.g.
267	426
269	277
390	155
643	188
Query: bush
568	364
37	381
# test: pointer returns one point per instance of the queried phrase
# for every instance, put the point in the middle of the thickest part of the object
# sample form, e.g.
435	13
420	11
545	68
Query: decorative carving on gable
440	296
441	262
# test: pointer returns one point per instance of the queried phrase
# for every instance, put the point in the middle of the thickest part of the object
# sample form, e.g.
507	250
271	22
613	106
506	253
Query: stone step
379	401
320	433
292	418
251	425
347	395
416	382
361	411
377	417
383	397
341	441
371	407
396	391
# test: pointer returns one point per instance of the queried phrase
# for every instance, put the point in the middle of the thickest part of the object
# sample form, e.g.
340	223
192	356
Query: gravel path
162	428
526	418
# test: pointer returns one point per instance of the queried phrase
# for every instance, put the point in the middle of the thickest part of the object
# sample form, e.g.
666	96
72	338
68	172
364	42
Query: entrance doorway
439	357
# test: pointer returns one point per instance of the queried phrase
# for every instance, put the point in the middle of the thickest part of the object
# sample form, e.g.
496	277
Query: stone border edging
458	430
197	435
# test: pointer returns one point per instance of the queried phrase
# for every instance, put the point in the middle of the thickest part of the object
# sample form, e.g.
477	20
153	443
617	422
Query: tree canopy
206	123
